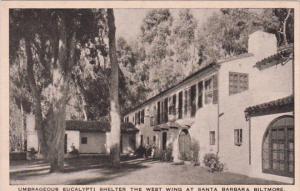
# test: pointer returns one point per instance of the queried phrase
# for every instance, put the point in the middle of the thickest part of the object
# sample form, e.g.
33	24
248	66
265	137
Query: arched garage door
278	147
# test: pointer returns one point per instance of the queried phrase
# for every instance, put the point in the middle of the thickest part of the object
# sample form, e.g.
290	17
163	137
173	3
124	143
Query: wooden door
184	145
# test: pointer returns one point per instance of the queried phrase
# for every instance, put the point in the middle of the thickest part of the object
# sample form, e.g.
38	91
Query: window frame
84	142
238	137
238	83
212	137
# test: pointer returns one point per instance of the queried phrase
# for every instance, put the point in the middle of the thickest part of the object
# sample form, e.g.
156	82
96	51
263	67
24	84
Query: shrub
32	153
74	152
212	161
140	151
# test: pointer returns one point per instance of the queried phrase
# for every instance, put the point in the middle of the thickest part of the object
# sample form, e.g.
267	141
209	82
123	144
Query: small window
212	138
154	139
238	137
238	82
84	140
148	140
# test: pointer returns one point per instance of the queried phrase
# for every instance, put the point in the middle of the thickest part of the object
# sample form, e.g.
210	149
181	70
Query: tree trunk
51	130
114	92
285	41
60	91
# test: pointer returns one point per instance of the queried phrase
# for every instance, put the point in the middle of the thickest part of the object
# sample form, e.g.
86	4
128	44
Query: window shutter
215	89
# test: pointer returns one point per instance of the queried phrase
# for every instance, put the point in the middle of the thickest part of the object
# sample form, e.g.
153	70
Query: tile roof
102	125
280	105
284	54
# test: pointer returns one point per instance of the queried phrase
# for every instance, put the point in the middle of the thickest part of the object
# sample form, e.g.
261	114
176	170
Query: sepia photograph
151	96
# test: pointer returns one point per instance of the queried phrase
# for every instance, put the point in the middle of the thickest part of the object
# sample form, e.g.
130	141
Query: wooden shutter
215	89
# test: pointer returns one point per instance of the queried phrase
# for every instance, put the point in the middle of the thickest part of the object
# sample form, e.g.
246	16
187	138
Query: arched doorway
184	142
278	147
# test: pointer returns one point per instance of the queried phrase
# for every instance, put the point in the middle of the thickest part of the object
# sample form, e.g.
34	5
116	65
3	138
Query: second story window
211	90
238	82
180	101
200	94
208	91
193	100
142	115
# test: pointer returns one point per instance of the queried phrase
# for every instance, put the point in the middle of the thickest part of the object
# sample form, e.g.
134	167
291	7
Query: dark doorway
66	144
164	140
184	145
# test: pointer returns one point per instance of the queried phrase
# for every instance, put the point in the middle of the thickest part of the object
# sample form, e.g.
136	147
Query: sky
128	21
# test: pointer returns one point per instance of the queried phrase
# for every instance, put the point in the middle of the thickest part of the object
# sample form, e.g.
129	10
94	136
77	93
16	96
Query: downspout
249	123
218	108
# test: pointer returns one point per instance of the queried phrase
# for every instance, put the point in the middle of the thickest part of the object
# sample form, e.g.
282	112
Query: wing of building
240	108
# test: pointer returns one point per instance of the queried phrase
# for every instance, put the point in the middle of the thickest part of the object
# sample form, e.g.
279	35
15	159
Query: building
88	137
216	110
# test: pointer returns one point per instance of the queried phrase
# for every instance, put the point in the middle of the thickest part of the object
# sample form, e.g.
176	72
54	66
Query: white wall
95	144
265	85
73	138
32	137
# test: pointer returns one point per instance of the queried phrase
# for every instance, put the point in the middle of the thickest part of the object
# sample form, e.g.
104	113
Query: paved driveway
95	170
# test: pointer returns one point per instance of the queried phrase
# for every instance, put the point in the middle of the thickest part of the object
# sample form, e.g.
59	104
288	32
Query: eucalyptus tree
49	41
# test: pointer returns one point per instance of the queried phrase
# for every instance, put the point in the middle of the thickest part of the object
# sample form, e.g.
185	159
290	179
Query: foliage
212	161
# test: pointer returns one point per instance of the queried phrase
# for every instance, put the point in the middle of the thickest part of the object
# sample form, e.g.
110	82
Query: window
200	94
180	101
212	138
142	115
126	119
208	91
186	98
148	140
84	140
158	112
193	100
278	147
238	82
139	117
238	137
166	110
154	139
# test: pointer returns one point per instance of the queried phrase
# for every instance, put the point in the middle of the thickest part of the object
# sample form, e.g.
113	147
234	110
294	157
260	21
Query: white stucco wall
95	144
259	126
265	85
32	137
73	138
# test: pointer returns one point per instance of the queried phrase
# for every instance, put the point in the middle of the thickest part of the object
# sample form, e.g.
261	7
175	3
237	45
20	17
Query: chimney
262	44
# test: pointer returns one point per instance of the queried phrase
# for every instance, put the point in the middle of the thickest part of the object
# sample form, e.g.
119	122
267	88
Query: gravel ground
96	170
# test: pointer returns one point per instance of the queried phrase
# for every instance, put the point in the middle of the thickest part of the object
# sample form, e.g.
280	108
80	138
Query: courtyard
96	170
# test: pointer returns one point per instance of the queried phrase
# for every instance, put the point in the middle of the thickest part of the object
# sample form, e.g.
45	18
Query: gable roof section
285	104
